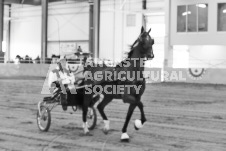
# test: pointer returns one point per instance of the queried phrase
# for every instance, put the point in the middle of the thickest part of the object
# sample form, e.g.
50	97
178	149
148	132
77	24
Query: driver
61	77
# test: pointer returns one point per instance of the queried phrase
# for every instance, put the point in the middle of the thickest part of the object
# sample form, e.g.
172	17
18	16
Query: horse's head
145	43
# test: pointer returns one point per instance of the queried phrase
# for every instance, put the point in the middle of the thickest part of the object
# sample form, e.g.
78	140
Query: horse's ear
142	29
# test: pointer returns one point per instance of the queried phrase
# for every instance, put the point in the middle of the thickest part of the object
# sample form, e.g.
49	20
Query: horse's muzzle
150	57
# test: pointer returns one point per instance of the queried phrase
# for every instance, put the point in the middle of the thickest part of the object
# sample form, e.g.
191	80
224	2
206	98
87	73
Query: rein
139	37
136	40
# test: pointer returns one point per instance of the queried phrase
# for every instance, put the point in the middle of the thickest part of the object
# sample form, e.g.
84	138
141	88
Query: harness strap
137	39
58	74
61	84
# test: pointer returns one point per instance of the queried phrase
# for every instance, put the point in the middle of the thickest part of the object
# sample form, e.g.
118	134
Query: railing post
96	27
44	30
1	27
91	28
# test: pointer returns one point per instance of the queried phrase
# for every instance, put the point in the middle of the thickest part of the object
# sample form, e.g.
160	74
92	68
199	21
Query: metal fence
40	61
191	63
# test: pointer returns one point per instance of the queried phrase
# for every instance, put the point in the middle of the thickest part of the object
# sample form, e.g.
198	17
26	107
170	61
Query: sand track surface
181	117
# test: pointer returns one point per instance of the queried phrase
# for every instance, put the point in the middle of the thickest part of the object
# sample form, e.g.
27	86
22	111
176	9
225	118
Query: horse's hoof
138	124
124	137
86	132
105	131
125	140
136	127
106	126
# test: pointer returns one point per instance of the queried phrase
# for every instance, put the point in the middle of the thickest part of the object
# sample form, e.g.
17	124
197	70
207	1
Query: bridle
139	38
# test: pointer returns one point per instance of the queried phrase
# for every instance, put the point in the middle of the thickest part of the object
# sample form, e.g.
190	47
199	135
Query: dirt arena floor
181	117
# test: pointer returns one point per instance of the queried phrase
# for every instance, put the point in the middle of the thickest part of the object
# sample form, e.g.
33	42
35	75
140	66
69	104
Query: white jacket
66	77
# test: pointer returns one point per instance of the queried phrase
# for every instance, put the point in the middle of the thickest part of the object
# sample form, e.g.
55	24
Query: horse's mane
131	52
91	66
104	66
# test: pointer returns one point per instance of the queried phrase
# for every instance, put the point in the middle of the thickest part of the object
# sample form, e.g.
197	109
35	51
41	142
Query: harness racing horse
126	78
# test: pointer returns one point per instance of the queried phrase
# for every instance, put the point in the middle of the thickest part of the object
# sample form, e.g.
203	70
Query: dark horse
127	80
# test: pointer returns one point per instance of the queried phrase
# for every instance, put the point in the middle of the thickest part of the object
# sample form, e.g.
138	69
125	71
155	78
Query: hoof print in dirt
28	122
105	132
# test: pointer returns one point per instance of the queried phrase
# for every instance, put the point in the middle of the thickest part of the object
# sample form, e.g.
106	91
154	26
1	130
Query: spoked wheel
44	119
91	117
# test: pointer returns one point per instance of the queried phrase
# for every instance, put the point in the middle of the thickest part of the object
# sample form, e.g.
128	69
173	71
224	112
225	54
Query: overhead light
224	11
201	5
186	13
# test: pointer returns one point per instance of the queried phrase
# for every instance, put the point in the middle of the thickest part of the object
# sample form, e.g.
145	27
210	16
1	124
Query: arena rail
187	75
39	61
153	75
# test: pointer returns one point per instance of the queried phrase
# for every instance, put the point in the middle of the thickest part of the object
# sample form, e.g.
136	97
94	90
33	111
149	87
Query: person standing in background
79	49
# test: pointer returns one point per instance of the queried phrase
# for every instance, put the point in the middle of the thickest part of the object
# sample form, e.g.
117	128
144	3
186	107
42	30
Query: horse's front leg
106	100
125	136
140	123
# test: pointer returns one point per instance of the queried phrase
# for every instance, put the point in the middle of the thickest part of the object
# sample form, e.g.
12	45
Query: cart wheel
44	120
92	118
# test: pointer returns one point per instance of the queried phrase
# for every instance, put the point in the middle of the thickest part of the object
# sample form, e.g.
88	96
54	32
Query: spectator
26	59
17	59
79	49
37	60
2	54
30	60
55	58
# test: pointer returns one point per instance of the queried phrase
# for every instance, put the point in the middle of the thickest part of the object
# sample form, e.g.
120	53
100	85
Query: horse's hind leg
84	116
101	107
85	106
